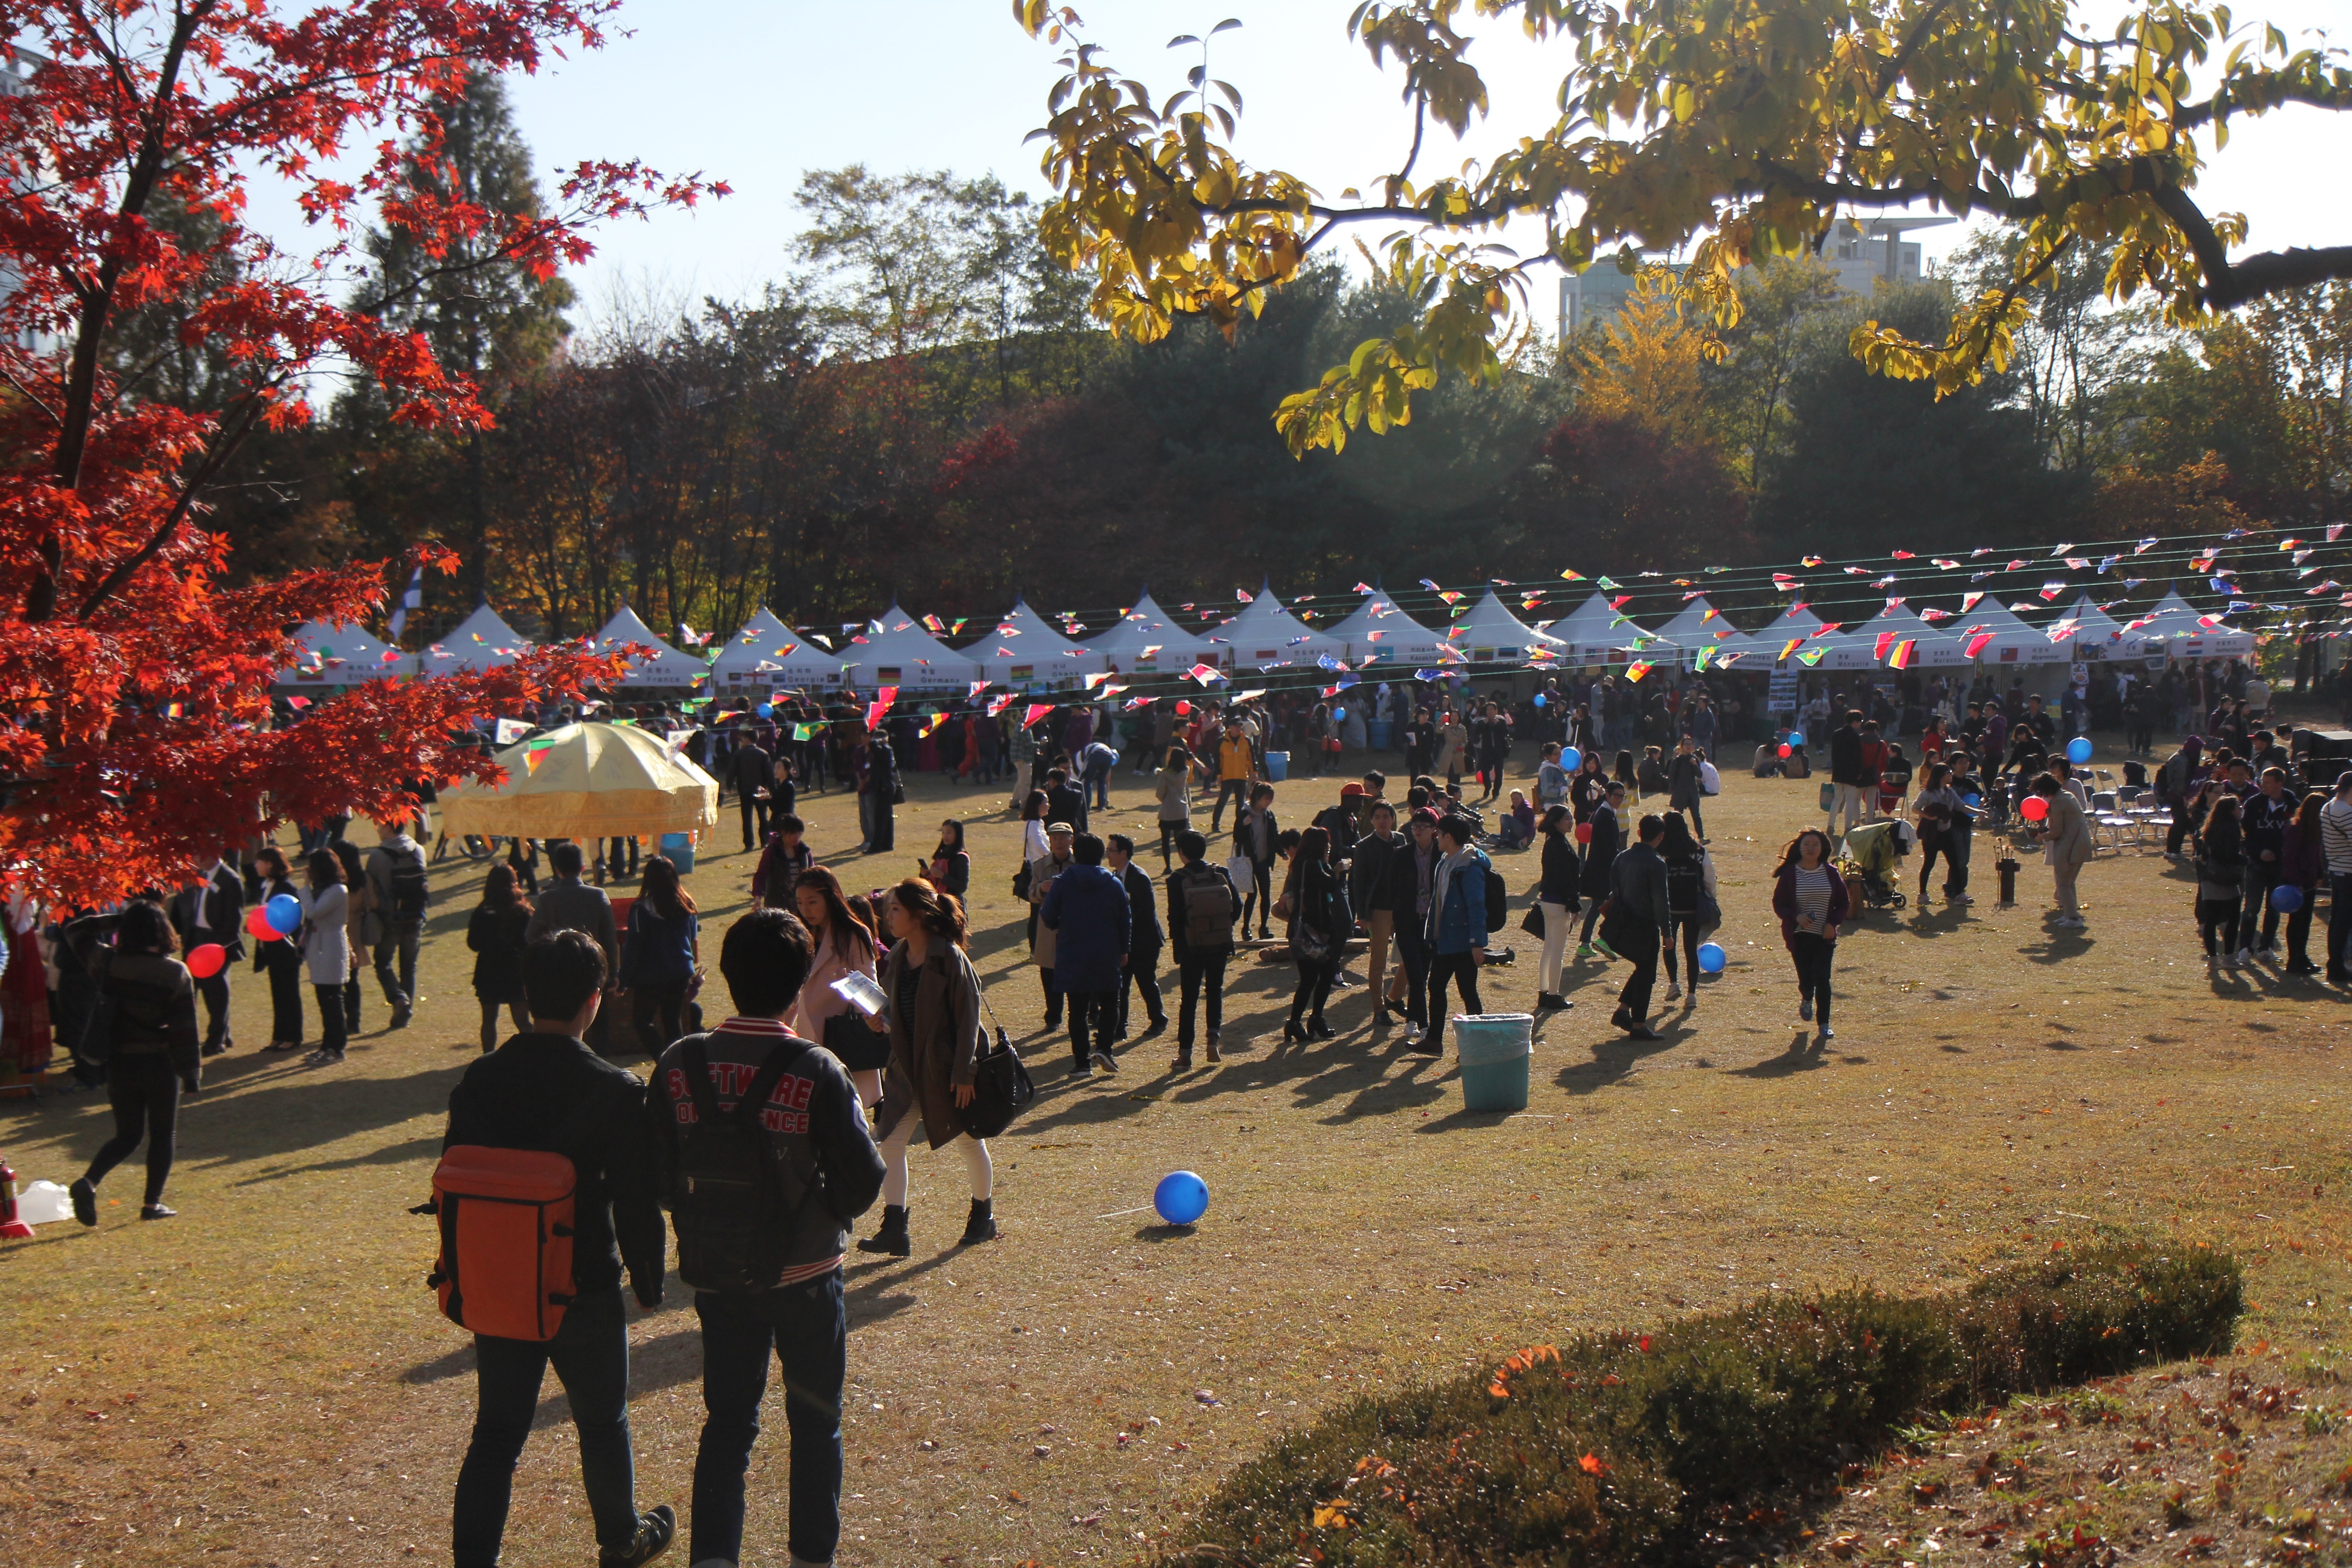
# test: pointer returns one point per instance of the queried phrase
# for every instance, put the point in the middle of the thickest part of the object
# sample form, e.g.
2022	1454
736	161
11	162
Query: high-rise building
1861	254
16	67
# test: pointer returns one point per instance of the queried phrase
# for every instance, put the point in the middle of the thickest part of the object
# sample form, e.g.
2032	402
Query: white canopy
1858	648
1025	649
1146	640
1265	634
767	654
2174	627
1760	649
904	654
1585	635
342	656
2098	635
2013	641
1489	634
665	667
1691	630
481	641
1380	633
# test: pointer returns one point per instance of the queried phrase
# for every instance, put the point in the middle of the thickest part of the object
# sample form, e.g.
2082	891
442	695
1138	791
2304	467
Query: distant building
16	67
1862	255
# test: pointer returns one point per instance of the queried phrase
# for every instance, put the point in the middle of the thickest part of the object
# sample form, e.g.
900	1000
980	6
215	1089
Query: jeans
1684	931
1094	1014
864	821
1234	790
591	1356
805	1328
400	937
352	1003
1260	897
657	1008
1201	972
1413	958
1098	792
144	1099
332	1037
2216	919
2181	823
1462	969
1641	950
2062	879
2262	876
2339	923
2298	931
1814	955
1142	974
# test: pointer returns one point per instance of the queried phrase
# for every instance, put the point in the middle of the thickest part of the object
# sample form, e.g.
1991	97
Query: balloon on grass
2033	808
2078	750
285	914
206	962
2286	897
1711	958
1181	1197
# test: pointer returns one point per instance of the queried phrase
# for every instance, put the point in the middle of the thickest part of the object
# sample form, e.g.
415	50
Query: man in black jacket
1380	882
749	767
1202	945
210	908
1065	802
817	1130
1144	938
1849	775
546	1091
1638	884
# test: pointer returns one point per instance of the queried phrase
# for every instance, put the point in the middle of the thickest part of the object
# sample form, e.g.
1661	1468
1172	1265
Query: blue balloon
2078	750
1539	700
1571	758
1337	714
766	709
1181	1197
2286	897
284	913
1711	958
1973	801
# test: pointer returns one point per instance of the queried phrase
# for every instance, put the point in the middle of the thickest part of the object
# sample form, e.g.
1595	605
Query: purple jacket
1784	902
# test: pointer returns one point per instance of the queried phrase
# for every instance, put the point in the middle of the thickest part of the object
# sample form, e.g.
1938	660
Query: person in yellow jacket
1236	764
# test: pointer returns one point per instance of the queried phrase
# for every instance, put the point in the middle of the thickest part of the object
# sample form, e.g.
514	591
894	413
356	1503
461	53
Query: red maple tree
134	715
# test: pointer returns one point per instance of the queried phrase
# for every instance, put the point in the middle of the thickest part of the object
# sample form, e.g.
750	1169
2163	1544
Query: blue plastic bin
1380	734
1495	1051
1277	765
680	848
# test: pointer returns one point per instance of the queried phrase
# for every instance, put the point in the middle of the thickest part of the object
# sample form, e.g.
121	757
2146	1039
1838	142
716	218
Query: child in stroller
1878	847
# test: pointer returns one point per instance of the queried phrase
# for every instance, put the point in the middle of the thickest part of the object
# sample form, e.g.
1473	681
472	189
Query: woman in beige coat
933	1020
2066	834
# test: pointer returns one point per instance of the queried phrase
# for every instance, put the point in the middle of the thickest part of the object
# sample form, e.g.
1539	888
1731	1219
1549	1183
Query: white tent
336	656
1265	634
1024	649
2013	641
1146	640
1586	635
2174	627
767	655
904	654
665	667
481	641
1691	630
1489	634
2098	635
1858	648
1760	649
1379	633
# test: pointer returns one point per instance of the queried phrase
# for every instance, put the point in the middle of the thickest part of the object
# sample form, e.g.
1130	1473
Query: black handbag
1532	923
1020	882
859	1048
1001	1087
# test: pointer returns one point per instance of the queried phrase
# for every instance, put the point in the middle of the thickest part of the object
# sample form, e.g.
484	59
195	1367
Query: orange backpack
506	1217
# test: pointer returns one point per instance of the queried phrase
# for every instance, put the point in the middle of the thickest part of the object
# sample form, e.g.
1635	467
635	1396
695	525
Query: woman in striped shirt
1810	896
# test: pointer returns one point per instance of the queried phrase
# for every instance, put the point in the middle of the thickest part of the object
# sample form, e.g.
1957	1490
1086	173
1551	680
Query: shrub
1620	1447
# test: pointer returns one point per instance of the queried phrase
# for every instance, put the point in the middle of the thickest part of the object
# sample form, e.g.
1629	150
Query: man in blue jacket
1087	909
1457	925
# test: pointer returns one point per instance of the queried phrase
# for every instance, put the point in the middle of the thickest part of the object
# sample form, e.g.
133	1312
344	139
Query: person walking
281	959
950	867
545	1091
1420	861
209	908
1144	938
327	953
144	1034
496	935
2221	881
791	1308
1315	902
398	897
1690	899
1944	821
1236	766
1850	777
933	1017
1810	896
1043	940
1604	839
1557	899
1172	786
2335	847
2066	834
662	960
1458	926
2303	862
1640	915
1380	885
749	768
1202	905
783	863
2264	818
843	945
1258	835
1086	908
1684	786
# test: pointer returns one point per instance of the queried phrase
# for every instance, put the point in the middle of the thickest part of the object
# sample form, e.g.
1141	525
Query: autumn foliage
133	685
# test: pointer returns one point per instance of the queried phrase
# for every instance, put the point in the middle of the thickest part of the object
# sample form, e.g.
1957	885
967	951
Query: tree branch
2229	284
216	459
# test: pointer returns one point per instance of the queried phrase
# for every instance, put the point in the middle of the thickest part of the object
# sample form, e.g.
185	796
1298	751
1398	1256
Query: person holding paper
844	946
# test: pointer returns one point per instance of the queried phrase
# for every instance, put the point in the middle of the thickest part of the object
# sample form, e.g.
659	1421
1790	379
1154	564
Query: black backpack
1499	897
409	892
732	1193
1208	906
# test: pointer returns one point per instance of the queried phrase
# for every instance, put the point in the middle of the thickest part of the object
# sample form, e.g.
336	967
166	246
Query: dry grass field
264	1381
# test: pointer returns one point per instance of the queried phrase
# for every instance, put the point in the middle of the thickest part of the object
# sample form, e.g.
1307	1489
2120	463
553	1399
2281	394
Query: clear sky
755	92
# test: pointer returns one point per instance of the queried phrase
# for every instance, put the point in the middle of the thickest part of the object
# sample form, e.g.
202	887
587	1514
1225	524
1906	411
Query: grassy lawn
265	1380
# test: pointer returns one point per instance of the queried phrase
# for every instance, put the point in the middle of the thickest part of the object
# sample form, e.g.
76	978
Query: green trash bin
1495	1051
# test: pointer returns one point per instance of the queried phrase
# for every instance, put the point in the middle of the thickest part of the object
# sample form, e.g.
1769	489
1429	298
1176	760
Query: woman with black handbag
1315	900
844	946
933	1017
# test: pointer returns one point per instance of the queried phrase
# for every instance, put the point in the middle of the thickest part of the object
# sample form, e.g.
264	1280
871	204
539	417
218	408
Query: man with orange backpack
545	1190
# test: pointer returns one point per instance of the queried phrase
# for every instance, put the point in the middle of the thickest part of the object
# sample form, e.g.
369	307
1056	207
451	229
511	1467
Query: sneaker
1183	1062
1426	1046
1105	1061
2230	961
1827	1033
655	1531
1673	990
1215	1056
1604	950
1957	899
1082	1069
158	1211
2243	956
322	1057
1584	950
84	1194
1804	1010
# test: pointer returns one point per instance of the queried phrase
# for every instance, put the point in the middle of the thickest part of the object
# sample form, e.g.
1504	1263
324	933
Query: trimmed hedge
1620	1447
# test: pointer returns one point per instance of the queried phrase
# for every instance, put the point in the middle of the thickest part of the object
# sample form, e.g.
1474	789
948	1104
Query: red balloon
1584	833
206	962
2033	808
1185	709
256	923
1786	750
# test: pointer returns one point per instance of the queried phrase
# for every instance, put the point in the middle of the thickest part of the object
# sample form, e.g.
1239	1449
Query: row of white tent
1025	649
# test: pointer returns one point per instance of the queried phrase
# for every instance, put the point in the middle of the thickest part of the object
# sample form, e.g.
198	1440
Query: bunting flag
1935	615
875	713
1114	688
1810	560
1149	652
1948	566
2063	548
999	703
977	688
1968	602
885	695
1134	702
1703	658
931	624
2051	590
1711	612
1791	645
1578	576
1901	657
1205	673
1812	657
1637	669
2015	567
530	760
1604	583
1621	601
1450	597
2076	563
2334	533
1904	555
1037	711
1363	587
1094	681
1885	641
1978	637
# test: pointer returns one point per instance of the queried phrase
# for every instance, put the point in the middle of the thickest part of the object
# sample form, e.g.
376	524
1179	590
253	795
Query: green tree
1784	304
2073	353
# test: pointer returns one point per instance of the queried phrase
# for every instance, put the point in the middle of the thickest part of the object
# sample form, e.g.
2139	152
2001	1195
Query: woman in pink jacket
844	946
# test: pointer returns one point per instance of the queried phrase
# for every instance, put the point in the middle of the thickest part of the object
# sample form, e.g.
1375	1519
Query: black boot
891	1238
981	1225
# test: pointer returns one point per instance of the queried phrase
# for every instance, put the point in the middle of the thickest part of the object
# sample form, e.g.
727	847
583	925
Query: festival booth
2175	629
1379	633
335	656
1489	634
1265	635
1762	647
1026	652
2010	641
902	654
1697	626
1594	633
2098	635
480	642
586	782
767	656
1875	642
1146	641
665	669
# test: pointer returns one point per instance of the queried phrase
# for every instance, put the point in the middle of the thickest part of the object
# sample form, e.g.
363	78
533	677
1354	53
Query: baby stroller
1878	847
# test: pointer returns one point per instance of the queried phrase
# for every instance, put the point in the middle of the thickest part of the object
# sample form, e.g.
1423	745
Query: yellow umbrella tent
587	781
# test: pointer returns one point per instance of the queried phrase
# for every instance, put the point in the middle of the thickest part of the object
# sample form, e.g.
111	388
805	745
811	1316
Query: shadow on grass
401	1153
1804	1054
